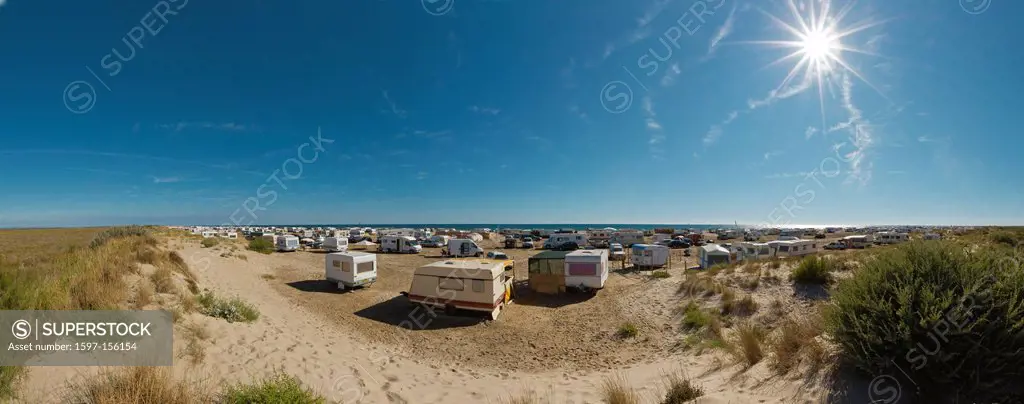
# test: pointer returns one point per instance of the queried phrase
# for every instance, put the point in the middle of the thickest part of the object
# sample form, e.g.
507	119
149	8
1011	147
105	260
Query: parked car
568	246
510	243
677	244
616	252
835	245
819	235
527	244
497	255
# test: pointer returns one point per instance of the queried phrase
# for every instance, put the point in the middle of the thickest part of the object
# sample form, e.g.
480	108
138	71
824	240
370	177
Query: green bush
209	242
681	390
1005	237
279	388
813	270
628	330
261	245
660	274
951	315
231	310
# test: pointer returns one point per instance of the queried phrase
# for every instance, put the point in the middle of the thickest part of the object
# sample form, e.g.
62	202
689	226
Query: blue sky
529	111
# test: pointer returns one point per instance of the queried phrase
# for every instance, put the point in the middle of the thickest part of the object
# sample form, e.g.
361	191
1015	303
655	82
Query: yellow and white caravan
477	285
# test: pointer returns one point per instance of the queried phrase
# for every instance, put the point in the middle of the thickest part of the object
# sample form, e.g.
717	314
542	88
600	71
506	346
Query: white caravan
857	241
649	255
336	244
463	247
794	248
402	244
890	237
586	270
558	239
752	251
351	269
287	243
627	237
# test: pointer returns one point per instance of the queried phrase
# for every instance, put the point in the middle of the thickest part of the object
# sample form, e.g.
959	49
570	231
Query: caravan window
450	284
784	248
363	267
336	263
582	269
478	285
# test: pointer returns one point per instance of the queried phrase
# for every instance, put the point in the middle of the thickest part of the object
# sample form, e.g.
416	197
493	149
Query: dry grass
795	341
163	280
697	285
680	389
136	385
616	390
143	295
743	307
195	351
751	283
529	397
268	277
747	345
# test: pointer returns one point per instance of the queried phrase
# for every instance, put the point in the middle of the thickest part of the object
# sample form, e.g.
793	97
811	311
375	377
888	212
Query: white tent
365	244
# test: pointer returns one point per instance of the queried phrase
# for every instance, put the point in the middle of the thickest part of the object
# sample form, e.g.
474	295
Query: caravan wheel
449	309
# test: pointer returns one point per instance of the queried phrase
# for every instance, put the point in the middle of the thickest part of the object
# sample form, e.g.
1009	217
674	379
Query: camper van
401	244
857	241
586	270
713	254
649	255
351	269
336	244
889	237
752	251
477	285
794	248
436	241
461	247
558	239
627	238
287	243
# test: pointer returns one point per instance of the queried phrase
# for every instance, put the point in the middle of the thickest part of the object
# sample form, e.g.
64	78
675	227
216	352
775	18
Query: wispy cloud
422	175
657	135
575	110
715	131
444	134
721	34
772	154
399	112
925	139
811	130
670	75
180	126
166	180
861	134
641	32
484	110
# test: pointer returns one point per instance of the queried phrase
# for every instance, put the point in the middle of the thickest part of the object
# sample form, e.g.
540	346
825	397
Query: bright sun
816	45
819	46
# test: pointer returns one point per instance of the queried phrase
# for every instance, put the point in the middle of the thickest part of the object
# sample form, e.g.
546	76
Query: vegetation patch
680	389
616	390
209	242
261	245
628	330
278	388
660	274
897	306
134	385
813	271
232	310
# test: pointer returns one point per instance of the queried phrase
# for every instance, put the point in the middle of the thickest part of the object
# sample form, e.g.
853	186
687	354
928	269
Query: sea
539	226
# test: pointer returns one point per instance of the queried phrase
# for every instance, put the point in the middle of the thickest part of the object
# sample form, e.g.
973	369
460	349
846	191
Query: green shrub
814	271
628	330
660	274
278	388
232	310
261	245
1005	237
209	242
898	305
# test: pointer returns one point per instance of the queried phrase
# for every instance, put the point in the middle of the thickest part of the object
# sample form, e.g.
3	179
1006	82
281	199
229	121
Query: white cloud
722	33
180	126
810	132
861	134
771	154
484	110
641	32
925	139
421	175
654	127
670	76
399	112
713	134
166	180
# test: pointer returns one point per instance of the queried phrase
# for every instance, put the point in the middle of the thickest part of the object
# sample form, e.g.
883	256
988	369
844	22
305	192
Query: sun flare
817	46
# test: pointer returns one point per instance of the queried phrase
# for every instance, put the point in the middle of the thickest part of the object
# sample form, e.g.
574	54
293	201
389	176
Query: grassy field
20	245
